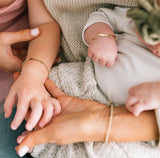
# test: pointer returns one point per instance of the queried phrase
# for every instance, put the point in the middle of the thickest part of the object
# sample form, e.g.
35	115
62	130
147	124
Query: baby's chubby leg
143	97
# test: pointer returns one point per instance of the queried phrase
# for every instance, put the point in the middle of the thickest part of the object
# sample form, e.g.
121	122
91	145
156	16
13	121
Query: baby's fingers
47	113
22	108
51	107
9	103
36	113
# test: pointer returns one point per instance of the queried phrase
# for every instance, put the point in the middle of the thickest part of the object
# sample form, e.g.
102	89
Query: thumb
32	139
53	89
19	36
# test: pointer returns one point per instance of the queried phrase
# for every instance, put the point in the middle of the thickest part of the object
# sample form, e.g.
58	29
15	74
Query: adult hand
86	121
8	59
80	121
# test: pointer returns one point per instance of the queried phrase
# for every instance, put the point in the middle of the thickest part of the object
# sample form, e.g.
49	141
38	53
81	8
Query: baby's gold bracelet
110	122
103	35
38	60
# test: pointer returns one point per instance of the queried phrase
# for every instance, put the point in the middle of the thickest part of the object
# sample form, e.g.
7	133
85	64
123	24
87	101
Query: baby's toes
138	108
95	58
157	53
102	62
109	63
90	54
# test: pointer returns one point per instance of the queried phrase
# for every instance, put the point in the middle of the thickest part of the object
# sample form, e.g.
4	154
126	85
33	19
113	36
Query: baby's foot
143	97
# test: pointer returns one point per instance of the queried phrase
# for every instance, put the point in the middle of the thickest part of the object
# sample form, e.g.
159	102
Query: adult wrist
94	129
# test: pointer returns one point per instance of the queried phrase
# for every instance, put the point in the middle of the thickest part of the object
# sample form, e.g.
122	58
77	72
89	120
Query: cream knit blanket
77	78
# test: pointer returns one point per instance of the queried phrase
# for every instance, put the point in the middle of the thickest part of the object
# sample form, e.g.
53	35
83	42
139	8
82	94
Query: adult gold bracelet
110	122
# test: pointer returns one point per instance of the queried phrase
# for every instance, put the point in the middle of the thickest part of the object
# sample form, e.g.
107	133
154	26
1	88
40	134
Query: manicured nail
23	151
35	32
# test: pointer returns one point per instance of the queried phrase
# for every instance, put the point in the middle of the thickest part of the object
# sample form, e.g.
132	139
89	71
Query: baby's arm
28	90
145	96
101	49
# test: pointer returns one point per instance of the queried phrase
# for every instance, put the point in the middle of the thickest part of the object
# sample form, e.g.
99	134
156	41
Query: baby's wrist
35	70
106	35
107	38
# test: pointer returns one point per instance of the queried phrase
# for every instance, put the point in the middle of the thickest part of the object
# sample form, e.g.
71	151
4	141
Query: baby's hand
103	50
29	92
145	96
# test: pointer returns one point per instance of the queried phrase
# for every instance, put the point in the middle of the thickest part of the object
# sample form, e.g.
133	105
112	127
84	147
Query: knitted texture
72	16
77	78
147	20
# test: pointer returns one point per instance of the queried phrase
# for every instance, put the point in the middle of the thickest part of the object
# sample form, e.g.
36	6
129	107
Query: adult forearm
126	127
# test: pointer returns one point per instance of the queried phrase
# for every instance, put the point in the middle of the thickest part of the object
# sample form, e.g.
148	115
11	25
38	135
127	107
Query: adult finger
22	136
32	139
53	89
19	36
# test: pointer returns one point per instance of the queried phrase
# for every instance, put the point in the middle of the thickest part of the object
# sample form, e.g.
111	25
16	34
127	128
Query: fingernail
29	127
35	32
41	125
23	151
13	127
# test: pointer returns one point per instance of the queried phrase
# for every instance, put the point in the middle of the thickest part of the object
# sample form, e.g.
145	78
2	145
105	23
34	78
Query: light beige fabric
77	78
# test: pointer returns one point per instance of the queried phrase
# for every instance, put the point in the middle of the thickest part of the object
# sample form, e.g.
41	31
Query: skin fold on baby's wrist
35	70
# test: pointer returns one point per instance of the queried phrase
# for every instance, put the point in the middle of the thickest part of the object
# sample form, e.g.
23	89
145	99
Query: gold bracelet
110	122
103	35
38	60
